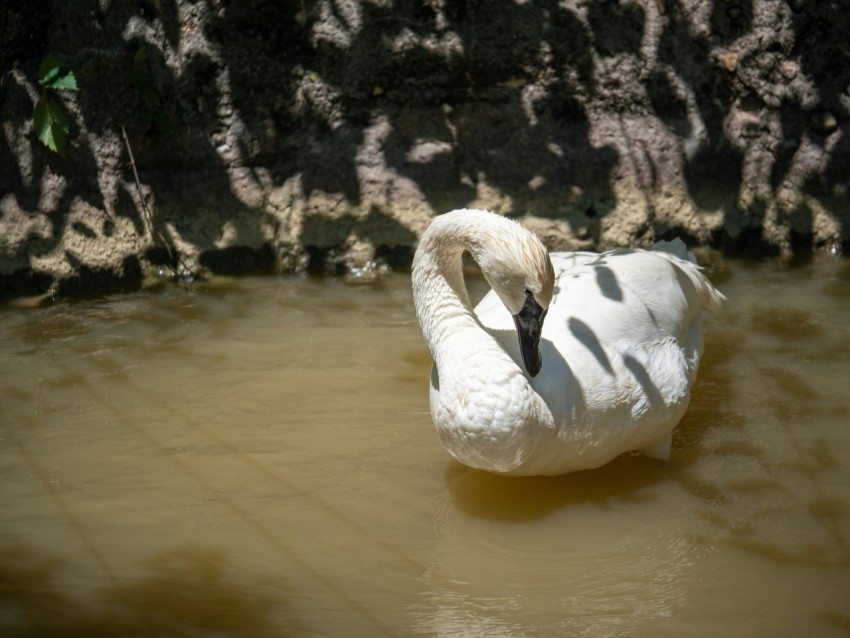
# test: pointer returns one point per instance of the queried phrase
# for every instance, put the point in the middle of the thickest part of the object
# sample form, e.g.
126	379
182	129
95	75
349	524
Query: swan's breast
489	424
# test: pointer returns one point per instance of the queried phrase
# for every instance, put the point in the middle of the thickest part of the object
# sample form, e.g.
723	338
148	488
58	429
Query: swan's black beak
529	325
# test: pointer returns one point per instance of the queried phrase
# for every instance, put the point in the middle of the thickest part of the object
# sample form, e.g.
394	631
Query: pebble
729	61
823	122
789	69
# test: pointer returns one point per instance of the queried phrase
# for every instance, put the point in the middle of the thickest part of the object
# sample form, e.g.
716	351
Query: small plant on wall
49	118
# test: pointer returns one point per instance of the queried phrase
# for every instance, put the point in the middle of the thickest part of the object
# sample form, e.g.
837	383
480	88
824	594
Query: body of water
256	458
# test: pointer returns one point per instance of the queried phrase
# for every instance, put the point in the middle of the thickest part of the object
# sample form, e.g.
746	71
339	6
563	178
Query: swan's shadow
520	498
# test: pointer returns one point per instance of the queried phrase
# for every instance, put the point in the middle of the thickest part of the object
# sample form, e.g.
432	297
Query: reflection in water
486	495
256	458
603	562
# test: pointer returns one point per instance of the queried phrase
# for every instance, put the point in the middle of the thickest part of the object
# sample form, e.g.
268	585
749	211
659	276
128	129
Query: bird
570	360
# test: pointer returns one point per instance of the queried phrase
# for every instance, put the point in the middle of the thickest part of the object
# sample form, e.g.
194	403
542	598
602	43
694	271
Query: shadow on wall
246	119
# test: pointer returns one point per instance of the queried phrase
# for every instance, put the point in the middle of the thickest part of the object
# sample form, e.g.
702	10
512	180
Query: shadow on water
186	592
526	498
836	619
757	471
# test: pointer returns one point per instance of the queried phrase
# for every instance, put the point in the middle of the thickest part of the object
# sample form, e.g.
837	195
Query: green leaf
51	124
67	82
53	73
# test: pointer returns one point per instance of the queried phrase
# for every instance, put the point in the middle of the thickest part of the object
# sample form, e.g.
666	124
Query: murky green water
257	459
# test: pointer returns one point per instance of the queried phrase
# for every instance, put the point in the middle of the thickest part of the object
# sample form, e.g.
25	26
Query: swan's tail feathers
707	296
674	247
712	297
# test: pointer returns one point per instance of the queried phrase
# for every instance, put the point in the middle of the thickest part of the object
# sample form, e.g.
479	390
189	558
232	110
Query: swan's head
517	267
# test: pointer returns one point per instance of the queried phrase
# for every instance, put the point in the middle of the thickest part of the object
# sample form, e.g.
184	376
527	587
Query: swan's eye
528	293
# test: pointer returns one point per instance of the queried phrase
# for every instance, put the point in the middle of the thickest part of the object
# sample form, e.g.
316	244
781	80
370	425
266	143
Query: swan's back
632	294
620	346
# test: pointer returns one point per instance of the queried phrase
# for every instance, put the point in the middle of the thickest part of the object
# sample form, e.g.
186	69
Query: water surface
256	458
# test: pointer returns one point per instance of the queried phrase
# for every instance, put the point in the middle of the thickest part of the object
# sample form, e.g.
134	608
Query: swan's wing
609	311
492	312
637	295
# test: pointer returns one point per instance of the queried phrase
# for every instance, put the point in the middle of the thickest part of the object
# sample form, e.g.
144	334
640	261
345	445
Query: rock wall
326	133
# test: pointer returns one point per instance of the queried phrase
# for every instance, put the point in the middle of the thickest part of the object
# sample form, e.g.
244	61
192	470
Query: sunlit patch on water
255	458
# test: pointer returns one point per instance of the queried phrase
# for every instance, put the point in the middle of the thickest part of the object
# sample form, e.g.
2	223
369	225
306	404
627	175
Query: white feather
621	345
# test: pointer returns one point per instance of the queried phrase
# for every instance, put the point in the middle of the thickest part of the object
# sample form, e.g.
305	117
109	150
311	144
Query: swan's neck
439	291
485	400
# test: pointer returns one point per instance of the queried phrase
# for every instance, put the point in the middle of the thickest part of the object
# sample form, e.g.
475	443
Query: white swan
611	371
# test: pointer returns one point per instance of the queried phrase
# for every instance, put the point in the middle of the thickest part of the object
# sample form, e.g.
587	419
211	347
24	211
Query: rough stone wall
326	133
